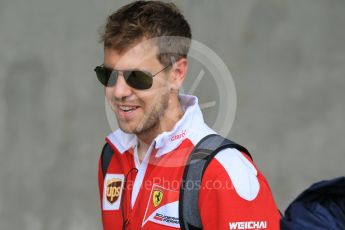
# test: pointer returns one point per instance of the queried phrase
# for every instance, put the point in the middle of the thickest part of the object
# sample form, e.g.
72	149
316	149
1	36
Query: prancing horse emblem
157	197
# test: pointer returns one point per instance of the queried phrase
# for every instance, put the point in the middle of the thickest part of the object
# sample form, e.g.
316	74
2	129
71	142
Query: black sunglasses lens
106	75
138	79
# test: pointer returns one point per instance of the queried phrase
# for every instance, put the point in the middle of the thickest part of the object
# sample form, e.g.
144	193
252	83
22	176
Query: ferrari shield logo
157	197
113	189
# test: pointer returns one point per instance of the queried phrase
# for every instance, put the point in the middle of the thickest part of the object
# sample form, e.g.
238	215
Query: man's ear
178	73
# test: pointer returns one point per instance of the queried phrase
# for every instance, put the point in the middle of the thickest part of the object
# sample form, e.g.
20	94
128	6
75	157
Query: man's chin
136	130
126	126
127	129
130	129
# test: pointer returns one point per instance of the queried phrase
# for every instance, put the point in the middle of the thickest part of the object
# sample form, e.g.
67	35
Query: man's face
136	110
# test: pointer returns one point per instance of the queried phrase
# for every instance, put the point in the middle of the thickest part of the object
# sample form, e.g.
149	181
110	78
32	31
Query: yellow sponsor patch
157	197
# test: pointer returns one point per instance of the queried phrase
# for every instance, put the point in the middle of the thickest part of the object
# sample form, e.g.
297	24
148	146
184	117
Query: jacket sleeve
100	180
111	214
235	195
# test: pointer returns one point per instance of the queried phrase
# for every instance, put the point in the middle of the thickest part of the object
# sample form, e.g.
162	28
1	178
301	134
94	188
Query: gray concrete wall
287	58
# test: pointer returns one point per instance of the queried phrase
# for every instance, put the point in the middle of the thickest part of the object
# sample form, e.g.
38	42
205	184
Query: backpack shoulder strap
198	160
106	156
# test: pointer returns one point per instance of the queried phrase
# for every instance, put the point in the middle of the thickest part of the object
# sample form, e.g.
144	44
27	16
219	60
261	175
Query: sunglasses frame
105	78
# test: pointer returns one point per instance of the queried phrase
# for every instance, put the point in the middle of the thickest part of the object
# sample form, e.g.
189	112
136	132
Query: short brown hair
149	19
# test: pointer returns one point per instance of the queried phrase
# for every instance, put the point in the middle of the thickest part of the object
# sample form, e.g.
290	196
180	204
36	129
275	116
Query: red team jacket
234	194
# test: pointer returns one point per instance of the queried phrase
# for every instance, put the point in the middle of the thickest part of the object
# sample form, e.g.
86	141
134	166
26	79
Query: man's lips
126	108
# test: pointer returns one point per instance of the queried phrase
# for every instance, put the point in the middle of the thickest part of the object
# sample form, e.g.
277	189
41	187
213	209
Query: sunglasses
136	79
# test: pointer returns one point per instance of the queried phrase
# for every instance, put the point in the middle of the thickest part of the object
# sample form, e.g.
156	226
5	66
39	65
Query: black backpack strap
106	156
197	163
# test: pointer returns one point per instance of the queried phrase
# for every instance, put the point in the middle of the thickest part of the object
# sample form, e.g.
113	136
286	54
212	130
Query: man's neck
172	115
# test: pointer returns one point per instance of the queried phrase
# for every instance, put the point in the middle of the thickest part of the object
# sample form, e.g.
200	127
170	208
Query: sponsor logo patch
166	219
182	134
114	186
112	191
162	207
255	225
157	197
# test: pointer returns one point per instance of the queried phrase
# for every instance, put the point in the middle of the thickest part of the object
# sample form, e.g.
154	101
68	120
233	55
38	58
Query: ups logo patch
113	189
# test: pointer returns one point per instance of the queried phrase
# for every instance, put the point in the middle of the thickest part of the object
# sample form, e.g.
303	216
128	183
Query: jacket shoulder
239	171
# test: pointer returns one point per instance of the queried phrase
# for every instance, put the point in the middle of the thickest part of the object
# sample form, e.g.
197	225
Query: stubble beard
152	119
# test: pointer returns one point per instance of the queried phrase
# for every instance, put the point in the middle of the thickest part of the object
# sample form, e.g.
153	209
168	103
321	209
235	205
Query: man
145	63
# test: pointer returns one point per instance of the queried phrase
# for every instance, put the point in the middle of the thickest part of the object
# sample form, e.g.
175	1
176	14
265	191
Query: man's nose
121	89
